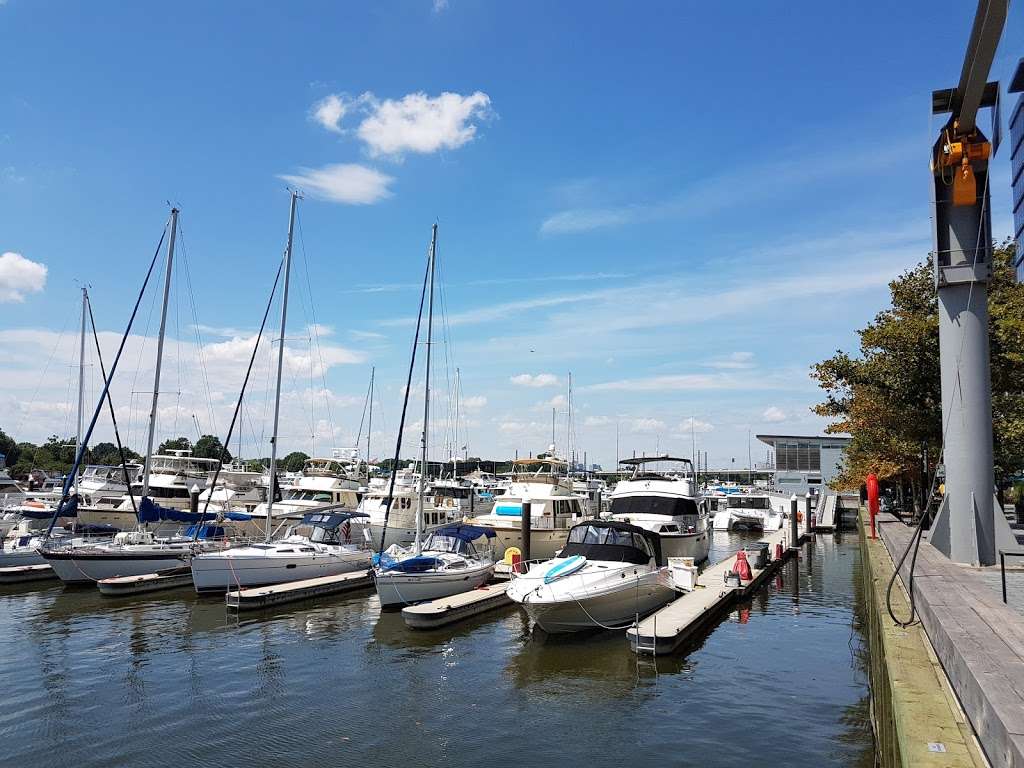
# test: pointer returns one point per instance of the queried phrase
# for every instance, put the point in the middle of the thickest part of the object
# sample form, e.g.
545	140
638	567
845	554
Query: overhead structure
970	527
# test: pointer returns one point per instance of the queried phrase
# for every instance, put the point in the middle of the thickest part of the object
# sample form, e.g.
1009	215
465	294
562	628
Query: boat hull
396	589
88	568
222	573
20	556
614	608
695	545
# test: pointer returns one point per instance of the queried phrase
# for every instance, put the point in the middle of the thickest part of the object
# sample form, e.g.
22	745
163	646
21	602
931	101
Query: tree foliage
210	447
175	444
293	461
889	398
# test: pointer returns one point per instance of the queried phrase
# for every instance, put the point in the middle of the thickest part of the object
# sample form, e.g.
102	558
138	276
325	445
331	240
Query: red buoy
742	567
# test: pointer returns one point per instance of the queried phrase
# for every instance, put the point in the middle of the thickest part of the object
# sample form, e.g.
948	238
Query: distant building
802	463
1017	165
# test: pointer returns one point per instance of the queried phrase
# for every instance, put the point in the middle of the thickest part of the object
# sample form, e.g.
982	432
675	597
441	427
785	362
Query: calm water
174	680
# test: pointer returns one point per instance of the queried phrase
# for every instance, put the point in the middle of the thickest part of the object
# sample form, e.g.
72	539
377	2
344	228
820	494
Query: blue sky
685	205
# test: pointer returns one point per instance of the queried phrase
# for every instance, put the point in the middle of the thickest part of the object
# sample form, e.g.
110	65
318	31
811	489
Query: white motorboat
667	502
461	497
326	550
608	575
750	511
554	507
323	481
21	547
446	564
398	526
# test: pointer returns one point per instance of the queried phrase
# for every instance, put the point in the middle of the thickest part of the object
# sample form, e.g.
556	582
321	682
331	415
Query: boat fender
742	566
778	550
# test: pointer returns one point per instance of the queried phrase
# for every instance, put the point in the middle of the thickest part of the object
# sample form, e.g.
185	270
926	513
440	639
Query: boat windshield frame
764	502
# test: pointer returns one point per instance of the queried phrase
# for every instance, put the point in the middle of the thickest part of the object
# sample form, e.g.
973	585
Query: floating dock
278	594
21	573
665	630
447	610
170	578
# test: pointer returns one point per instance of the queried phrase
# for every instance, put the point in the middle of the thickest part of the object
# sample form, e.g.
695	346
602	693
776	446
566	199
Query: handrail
1002	566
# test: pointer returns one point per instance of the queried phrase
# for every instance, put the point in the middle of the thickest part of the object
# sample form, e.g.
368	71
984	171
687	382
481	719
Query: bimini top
464	531
614	541
329	520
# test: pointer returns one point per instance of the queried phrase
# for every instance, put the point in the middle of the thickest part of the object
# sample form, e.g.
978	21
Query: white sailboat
326	551
137	552
446	563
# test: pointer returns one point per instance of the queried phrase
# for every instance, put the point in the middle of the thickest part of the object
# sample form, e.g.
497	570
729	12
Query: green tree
107	453
209	447
9	448
293	461
889	399
175	444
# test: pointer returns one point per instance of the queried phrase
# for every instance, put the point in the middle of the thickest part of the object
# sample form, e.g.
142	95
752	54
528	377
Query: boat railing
584	580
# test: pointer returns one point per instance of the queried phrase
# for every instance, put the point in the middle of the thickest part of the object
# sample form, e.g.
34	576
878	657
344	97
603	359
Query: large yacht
333	481
665	500
460	495
750	511
554	507
171	478
401	520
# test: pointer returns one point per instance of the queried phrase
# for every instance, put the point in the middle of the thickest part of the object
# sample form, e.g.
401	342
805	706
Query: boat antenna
280	361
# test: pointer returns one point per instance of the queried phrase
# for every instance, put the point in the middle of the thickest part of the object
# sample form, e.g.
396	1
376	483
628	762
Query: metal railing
1003	554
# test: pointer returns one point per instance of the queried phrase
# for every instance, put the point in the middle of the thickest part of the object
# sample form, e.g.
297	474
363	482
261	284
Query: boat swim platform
257	598
19	574
448	610
170	578
665	630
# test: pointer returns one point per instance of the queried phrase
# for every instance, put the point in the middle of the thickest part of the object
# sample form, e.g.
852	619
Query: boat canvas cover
151	512
70	509
613	541
329	520
465	532
419	564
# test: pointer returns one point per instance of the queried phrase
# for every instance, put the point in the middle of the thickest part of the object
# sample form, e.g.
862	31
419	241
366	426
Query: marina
378	403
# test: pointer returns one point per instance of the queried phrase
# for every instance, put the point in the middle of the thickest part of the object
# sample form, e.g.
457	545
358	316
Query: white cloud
474	403
773	415
347	183
19	276
538	380
735	361
573	221
414	123
439	5
329	111
646	426
691	424
597	421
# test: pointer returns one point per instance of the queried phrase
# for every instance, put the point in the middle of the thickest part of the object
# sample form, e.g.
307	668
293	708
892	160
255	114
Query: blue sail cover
410	564
151	512
464	531
70	509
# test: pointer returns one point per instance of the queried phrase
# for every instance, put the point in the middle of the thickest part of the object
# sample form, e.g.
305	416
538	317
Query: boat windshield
297	495
748	502
451	492
653	505
607	543
437	542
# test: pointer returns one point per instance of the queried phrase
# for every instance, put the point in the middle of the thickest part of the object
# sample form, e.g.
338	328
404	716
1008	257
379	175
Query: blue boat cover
464	531
409	564
509	510
70	510
151	512
206	532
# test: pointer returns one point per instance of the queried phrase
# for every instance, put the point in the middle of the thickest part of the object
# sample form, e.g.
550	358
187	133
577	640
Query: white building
801	463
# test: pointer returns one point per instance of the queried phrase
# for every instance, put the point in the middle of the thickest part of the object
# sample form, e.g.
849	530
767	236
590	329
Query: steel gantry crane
970	527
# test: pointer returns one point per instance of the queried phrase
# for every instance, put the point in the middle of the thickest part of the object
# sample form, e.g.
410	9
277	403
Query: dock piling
526	522
794	530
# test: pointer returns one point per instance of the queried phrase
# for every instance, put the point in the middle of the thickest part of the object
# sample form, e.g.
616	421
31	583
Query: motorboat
21	546
749	511
446	564
554	507
461	497
332	481
608	575
594	494
665	500
398	526
326	549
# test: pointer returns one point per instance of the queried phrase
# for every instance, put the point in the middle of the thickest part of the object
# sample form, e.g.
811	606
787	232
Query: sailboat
140	551
447	562
327	550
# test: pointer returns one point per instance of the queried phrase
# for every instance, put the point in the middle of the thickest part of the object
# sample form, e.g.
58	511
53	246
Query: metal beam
981	51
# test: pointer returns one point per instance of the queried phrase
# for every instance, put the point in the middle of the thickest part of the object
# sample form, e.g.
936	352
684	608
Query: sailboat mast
369	423
81	381
455	453
426	392
280	362
160	352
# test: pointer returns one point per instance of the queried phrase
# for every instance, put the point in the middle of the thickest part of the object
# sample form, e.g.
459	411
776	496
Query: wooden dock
278	594
170	578
21	573
447	610
665	630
